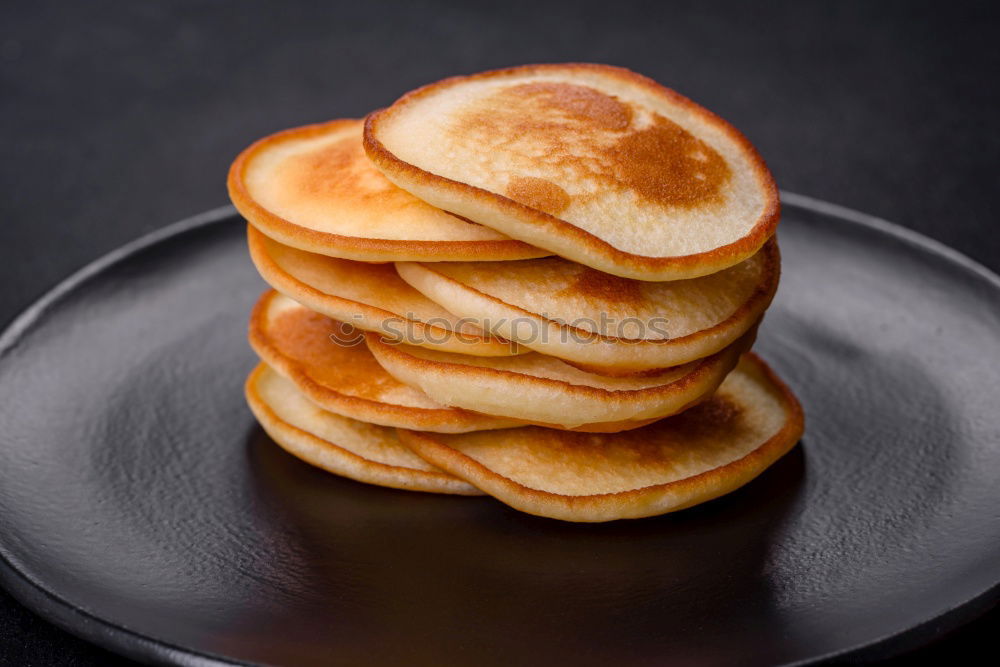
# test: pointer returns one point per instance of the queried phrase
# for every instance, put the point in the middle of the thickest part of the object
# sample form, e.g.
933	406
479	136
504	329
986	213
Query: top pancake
313	188
594	163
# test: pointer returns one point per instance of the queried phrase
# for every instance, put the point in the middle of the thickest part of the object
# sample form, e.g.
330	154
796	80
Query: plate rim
111	636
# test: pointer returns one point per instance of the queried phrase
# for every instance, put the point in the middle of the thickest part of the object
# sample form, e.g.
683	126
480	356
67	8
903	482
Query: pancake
346	379
346	447
368	296
595	163
542	389
343	377
600	322
313	188
701	454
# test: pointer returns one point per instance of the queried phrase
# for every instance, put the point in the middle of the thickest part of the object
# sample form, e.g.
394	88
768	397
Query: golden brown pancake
600	322
597	164
542	389
368	296
317	355
346	447
343	378
313	188
701	454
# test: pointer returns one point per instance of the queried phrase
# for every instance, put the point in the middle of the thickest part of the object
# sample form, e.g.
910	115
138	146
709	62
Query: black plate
144	510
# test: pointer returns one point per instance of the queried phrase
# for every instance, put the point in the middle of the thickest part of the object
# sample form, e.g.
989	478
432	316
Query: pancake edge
657	354
444	419
300	444
635	503
326	304
626	404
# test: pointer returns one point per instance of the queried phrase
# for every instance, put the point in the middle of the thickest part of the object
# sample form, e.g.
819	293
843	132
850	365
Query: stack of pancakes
539	283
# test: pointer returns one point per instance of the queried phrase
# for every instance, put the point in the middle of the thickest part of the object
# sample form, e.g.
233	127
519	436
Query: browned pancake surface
595	163
329	363
313	188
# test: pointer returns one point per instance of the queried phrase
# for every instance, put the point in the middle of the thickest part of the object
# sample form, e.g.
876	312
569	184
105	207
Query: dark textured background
118	118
